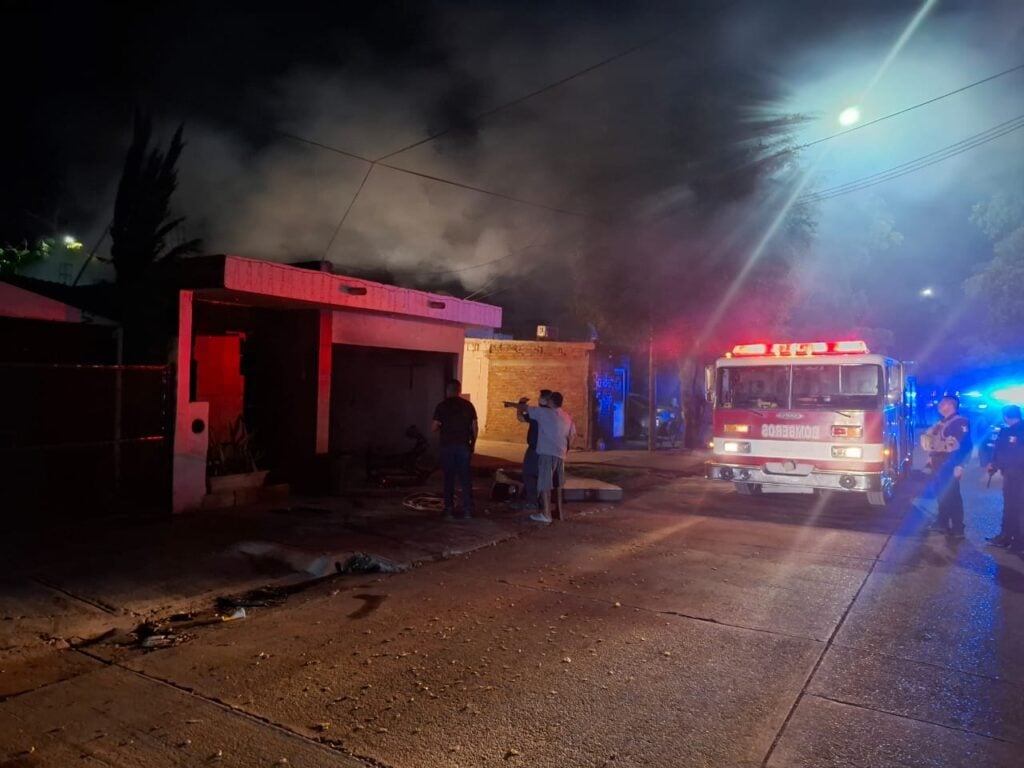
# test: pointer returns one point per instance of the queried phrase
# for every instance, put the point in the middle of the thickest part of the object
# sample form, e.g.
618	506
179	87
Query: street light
849	116
927	293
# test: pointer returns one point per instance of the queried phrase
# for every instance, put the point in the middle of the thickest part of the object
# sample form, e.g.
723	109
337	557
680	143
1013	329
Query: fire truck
825	415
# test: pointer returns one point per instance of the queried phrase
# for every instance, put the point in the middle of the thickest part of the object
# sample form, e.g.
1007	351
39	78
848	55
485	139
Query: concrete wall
298	319
365	330
495	371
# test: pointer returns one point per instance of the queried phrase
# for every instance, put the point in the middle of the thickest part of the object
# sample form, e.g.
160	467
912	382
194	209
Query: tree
139	232
998	286
142	209
14	259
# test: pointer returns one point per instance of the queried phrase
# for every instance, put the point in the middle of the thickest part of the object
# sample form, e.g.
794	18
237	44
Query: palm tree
141	225
142	210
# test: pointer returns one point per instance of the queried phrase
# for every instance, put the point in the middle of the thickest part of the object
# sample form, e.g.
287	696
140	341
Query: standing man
555	432
455	420
1008	458
530	468
949	449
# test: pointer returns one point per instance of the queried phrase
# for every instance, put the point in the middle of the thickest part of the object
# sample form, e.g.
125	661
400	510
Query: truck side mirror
709	383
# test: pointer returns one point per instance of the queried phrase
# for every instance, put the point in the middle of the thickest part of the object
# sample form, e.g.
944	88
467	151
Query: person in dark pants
949	449
455	420
530	465
1008	458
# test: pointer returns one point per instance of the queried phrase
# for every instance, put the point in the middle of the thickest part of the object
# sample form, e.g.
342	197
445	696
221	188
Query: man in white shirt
556	431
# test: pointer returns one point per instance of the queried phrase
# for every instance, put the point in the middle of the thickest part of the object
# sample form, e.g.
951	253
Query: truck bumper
831	480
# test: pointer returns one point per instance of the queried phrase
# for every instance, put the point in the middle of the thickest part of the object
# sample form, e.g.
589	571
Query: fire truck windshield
801	387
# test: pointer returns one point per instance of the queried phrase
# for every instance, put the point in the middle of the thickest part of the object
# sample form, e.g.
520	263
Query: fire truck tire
878	498
747	489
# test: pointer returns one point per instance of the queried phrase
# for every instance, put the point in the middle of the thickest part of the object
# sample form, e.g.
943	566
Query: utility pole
652	390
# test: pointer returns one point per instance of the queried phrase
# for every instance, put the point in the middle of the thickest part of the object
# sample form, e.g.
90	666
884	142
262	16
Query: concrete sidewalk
71	582
677	460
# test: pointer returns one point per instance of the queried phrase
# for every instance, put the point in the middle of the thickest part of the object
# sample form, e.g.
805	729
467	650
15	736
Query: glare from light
927	292
797	191
71	243
1014	394
849	116
972	393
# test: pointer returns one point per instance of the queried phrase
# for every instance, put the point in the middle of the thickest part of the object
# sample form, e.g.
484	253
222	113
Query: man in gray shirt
555	433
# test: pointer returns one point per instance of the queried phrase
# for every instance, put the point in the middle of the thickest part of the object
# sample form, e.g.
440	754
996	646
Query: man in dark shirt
1008	458
455	420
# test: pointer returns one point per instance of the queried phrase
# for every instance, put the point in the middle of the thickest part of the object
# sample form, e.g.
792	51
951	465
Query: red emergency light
801	348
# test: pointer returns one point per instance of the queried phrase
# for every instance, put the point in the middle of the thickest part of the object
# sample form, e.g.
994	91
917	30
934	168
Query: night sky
682	101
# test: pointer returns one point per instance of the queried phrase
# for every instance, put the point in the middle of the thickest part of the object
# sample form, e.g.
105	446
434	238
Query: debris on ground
361	562
263	597
424	502
166	633
508	485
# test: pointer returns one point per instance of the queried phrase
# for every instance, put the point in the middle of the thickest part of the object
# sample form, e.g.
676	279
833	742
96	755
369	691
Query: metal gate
84	439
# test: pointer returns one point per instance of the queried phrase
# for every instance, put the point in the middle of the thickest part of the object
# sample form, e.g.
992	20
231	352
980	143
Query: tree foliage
14	259
142	210
998	286
139	249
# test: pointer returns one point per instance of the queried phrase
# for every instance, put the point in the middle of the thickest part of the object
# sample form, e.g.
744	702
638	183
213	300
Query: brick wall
513	369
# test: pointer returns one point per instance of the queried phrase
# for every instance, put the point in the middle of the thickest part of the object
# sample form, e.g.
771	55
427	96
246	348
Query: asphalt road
687	626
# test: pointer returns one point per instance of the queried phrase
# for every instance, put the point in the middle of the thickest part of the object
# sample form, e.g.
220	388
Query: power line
942	151
907	168
481	190
910	108
919	163
344	216
428	176
320	145
544	89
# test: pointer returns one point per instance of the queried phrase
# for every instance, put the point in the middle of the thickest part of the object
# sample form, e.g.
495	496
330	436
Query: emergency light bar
805	348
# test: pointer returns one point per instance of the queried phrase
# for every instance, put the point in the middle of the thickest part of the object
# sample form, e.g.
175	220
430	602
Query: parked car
669	422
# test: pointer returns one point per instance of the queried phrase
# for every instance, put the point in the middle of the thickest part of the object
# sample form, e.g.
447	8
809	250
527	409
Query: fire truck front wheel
887	490
747	489
879	498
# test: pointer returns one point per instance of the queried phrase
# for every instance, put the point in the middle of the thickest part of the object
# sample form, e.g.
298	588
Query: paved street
686	626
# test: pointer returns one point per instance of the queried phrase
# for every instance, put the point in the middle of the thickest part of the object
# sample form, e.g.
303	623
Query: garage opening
377	394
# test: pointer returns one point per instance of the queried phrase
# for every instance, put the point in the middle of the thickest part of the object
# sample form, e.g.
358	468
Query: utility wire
344	216
429	177
919	163
910	108
320	145
544	89
483	191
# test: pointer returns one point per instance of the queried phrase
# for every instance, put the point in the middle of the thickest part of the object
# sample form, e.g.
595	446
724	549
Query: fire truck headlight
736	447
847	452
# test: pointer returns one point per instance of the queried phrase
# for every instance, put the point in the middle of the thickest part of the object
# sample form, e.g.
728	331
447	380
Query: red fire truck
793	417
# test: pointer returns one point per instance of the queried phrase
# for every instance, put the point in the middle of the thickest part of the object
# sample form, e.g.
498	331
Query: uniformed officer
949	449
1008	458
